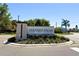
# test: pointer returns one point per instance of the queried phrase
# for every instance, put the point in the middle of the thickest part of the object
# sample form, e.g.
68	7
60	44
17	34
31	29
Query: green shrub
48	40
41	40
58	30
12	39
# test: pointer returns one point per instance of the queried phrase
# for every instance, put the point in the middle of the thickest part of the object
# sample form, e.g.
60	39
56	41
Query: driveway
74	37
4	38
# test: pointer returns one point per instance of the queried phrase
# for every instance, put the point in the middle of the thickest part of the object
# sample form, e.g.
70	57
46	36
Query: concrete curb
41	45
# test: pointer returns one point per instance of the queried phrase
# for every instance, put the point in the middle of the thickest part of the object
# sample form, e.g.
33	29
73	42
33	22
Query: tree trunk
66	28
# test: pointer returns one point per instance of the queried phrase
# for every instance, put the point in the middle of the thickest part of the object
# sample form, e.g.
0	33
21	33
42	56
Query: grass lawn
7	33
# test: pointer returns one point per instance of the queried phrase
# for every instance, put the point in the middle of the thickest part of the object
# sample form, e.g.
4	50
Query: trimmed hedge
12	39
41	40
58	30
44	40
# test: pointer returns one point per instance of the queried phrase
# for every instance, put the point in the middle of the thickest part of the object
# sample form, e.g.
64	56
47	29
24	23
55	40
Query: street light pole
18	18
56	24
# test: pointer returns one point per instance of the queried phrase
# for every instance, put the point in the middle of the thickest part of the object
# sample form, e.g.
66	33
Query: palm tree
65	23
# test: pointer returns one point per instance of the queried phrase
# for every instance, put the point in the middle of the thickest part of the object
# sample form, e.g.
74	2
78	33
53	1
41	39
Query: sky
54	12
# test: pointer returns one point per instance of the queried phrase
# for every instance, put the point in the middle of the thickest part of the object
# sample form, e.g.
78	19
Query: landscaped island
40	40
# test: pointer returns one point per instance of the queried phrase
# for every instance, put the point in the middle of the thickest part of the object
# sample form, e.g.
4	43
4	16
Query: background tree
58	30
37	22
13	22
45	22
65	23
30	22
5	23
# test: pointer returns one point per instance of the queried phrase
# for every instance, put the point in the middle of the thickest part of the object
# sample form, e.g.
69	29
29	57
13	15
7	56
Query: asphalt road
8	50
58	50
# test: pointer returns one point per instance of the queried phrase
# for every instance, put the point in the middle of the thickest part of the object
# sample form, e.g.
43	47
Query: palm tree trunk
66	28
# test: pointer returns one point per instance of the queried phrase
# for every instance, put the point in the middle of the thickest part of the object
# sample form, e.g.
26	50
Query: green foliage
12	39
41	40
5	23
37	22
65	23
31	22
13	27
58	30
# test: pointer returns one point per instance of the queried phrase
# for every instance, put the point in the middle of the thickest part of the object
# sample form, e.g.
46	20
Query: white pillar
18	31
24	31
53	29
21	31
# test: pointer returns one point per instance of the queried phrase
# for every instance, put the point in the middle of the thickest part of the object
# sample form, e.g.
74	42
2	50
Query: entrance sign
23	30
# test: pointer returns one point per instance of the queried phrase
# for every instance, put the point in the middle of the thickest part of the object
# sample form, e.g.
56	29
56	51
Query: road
74	37
8	50
58	50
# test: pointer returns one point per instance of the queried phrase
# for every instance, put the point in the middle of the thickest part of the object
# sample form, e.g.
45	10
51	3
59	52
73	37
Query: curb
41	45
